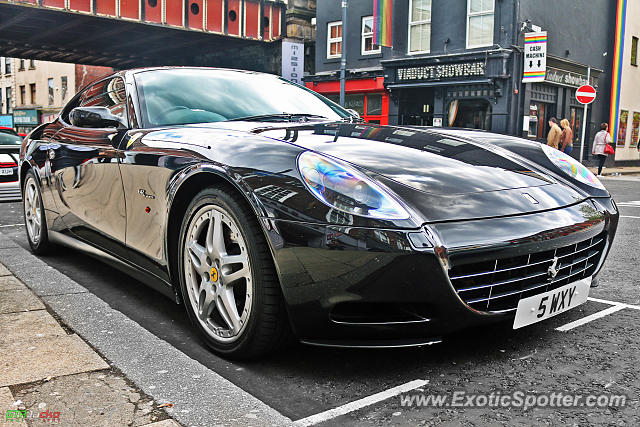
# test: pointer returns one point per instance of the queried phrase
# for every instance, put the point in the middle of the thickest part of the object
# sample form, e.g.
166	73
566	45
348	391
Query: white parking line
12	225
604	301
361	403
594	316
615	306
627	216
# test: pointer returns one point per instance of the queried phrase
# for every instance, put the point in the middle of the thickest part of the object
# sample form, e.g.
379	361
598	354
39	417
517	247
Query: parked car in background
9	151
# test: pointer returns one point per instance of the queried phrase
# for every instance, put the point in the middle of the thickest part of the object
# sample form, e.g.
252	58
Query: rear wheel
34	217
228	280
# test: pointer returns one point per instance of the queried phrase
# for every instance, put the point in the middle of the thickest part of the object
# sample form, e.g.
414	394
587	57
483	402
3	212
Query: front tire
34	216
227	277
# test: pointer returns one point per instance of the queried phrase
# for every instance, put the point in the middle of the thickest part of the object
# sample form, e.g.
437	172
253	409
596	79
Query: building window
50	84
479	23
32	64
32	90
23	95
334	39
419	26
634	51
8	99
7	65
367	37
63	88
622	128
21	67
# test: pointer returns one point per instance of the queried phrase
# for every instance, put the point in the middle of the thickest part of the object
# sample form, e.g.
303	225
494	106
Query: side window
109	93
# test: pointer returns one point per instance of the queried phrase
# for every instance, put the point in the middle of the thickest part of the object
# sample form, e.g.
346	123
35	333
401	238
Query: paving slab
34	359
10	283
3	270
16	300
100	398
28	325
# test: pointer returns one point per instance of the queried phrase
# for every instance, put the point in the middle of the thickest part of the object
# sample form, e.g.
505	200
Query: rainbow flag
616	75
382	22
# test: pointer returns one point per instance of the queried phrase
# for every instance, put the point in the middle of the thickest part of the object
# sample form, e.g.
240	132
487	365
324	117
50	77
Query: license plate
6	171
540	307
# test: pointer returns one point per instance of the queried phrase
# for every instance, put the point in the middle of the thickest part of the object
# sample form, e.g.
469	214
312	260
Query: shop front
458	90
367	96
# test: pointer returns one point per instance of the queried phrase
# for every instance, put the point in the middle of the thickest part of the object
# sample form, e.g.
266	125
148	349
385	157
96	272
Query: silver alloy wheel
33	210
217	273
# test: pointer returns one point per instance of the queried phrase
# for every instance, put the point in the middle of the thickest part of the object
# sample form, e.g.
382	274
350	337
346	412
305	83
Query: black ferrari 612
272	212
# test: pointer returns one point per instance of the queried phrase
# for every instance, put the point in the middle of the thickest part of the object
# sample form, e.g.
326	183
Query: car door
86	178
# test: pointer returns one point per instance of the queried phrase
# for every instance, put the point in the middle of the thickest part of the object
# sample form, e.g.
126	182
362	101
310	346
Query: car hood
417	158
442	176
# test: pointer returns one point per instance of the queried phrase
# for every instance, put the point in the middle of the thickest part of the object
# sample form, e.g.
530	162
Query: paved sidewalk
50	374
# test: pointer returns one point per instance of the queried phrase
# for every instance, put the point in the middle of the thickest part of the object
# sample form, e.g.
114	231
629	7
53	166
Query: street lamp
343	56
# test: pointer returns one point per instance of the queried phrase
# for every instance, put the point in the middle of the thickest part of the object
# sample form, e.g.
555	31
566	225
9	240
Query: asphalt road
600	357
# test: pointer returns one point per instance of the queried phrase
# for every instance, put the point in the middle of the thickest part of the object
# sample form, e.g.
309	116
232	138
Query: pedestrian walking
600	142
553	137
566	138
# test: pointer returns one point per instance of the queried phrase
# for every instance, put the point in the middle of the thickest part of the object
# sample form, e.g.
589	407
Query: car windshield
187	95
10	139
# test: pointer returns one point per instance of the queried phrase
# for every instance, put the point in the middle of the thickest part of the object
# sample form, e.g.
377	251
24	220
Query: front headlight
572	167
346	189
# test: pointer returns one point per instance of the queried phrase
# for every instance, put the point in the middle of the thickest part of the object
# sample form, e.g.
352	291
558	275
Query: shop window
634	51
622	128
419	26
575	117
334	39
32	91
50	86
374	104
479	23
367	37
635	129
369	106
470	113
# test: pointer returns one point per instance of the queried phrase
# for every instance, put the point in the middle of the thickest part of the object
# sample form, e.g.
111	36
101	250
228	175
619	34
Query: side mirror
94	117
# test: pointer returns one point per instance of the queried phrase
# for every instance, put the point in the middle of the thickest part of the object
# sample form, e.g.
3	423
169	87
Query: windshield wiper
289	117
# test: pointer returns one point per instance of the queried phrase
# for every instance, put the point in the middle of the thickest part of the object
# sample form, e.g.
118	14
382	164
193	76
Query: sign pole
584	118
343	58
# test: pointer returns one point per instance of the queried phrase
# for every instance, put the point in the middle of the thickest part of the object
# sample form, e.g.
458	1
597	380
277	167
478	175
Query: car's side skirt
145	277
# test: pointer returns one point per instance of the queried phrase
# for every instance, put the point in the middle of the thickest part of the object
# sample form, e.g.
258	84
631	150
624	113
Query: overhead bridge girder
126	33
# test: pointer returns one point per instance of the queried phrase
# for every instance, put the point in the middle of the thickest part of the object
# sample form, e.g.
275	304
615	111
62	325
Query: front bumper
348	286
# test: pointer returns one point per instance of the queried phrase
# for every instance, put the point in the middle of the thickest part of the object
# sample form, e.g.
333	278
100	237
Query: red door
106	7
80	5
251	19
233	17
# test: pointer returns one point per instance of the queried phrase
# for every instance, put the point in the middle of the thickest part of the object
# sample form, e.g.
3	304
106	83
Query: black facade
454	83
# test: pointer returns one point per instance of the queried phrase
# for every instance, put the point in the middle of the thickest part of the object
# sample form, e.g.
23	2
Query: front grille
497	285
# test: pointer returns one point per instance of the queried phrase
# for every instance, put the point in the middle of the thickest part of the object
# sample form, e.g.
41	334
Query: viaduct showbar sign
566	78
442	71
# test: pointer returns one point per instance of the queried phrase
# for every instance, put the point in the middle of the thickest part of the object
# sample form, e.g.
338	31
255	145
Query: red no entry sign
586	94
